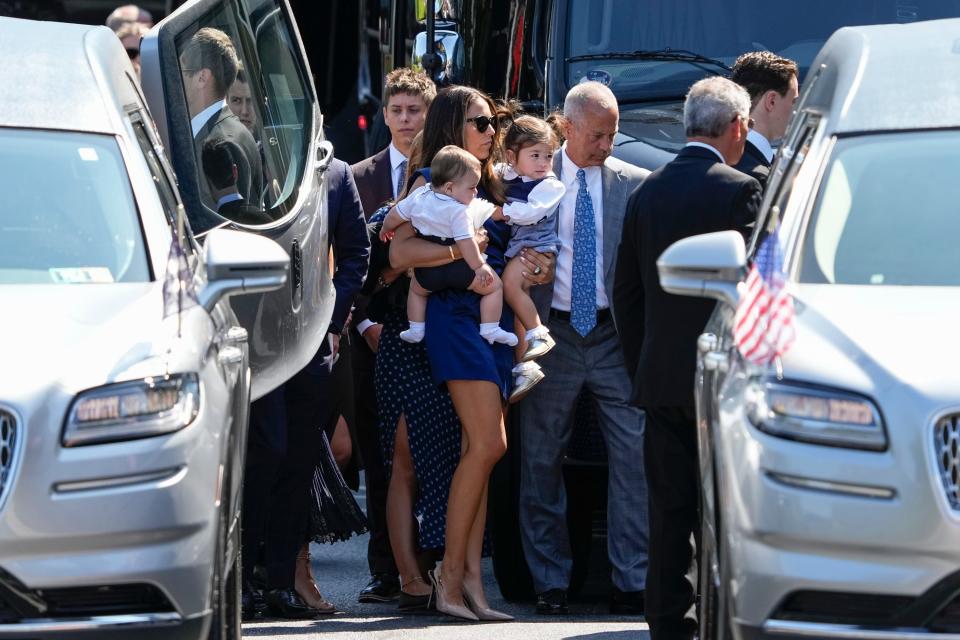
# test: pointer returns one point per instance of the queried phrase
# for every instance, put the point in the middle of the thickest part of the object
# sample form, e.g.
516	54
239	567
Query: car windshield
720	31
887	213
67	214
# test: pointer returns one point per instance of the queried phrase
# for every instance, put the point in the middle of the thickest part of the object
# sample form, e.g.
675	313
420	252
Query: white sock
539	331
415	333
492	332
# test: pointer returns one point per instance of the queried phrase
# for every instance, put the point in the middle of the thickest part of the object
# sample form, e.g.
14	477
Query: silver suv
125	377
830	478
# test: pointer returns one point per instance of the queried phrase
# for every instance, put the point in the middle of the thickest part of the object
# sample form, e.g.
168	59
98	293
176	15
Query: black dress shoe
285	603
252	604
627	603
552	602
410	603
382	588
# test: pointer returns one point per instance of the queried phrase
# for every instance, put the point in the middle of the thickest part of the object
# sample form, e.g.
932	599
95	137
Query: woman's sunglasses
482	122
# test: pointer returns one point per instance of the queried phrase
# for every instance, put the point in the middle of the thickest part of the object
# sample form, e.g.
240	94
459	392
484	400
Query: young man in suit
587	356
285	427
408	94
208	66
772	84
698	192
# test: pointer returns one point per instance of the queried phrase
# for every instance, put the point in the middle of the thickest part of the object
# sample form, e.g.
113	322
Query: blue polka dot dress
404	386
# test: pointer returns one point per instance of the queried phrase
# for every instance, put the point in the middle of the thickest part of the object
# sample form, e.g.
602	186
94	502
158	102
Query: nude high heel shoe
483	613
444	605
306	586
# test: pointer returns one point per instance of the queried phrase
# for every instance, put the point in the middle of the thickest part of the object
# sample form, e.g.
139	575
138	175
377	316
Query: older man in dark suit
208	66
698	192
771	82
587	356
285	427
408	94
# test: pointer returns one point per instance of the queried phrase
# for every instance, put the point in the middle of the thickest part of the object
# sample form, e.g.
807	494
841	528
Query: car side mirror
448	66
240	262
705	266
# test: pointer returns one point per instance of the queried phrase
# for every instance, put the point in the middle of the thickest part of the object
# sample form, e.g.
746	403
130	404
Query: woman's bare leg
401	493
478	405
341	444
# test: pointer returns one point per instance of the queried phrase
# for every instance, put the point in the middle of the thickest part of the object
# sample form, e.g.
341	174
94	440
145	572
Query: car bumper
800	518
147	626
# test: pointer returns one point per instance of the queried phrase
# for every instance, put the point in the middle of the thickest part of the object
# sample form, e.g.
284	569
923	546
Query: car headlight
811	414
130	410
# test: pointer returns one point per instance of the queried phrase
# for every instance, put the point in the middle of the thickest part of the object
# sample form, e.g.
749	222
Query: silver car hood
872	338
81	335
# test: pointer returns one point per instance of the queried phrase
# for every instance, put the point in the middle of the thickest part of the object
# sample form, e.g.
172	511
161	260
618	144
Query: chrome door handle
235	335
229	356
706	342
324	155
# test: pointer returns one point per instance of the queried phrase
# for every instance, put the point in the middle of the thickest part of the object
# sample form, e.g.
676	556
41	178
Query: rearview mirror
240	262
705	266
448	48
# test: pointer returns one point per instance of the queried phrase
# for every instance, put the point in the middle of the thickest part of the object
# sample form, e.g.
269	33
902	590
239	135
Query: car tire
225	588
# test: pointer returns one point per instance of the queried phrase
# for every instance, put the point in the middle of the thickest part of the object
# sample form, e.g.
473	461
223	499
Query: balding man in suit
587	356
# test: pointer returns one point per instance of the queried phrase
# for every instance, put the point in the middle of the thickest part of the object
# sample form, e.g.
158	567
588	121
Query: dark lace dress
334	513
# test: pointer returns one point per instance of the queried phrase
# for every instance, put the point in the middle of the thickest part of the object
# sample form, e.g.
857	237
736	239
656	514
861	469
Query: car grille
842	608
8	442
946	440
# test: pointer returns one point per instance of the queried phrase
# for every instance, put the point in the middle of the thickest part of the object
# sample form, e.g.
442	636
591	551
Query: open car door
228	84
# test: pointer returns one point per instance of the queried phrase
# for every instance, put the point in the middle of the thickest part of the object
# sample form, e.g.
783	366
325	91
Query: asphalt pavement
341	571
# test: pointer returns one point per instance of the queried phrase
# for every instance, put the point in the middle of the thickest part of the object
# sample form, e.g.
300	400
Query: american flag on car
763	324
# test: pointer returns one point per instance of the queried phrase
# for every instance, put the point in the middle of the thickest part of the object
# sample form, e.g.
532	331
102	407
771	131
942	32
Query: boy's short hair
411	82
762	71
450	164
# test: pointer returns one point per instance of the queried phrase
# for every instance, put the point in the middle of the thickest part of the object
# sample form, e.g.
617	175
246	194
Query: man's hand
334	345
372	336
538	267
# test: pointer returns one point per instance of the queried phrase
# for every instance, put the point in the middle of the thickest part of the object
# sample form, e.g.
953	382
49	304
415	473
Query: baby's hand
498	215
386	235
486	275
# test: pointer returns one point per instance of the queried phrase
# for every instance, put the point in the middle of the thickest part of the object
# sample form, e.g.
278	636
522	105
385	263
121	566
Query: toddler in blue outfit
533	194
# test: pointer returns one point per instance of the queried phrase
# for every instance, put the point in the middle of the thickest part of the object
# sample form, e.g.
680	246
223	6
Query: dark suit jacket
245	213
374	181
754	163
693	194
243	148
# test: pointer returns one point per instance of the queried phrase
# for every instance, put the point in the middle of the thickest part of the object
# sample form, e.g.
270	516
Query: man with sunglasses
772	84
587	356
698	192
130	34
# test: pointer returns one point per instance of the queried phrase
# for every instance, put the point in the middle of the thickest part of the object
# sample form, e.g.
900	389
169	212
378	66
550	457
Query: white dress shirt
197	122
563	279
396	159
761	143
704	145
438	215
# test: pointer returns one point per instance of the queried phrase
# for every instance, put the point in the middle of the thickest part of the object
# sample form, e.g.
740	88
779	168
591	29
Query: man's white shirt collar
761	143
197	122
396	157
704	145
568	168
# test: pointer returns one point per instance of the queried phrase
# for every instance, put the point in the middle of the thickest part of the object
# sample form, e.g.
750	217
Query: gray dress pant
546	420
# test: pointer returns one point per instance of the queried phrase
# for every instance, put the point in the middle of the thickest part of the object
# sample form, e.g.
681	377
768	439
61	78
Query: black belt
603	315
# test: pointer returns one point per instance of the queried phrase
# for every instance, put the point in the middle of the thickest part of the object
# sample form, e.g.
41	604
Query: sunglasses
482	122
133	53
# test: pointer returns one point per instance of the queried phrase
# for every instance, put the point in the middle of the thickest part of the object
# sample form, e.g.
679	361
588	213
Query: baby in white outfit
447	212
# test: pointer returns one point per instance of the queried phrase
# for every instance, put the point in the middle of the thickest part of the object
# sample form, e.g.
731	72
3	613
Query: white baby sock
415	333
492	332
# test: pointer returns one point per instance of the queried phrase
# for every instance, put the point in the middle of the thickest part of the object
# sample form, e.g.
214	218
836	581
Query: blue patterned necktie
403	174
583	297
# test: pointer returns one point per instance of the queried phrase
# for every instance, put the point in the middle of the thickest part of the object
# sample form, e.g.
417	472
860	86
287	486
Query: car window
68	215
886	213
250	111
